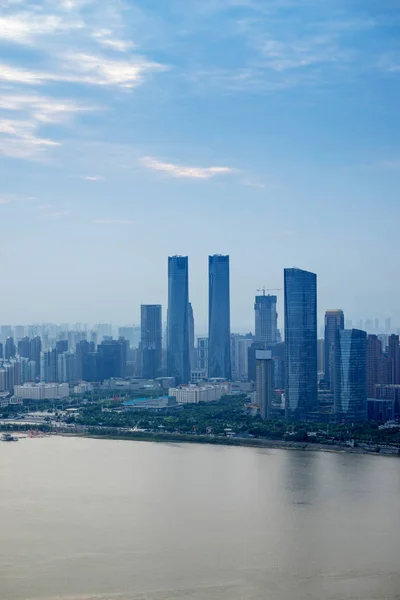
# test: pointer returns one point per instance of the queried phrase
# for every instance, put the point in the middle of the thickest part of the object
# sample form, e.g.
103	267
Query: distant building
374	355
178	351
113	358
151	340
202	354
334	320
41	391
300	343
66	367
394	355
48	366
192	351
266	319
239	356
380	409
197	375
389	392
264	382
192	394
10	349
350	391
219	353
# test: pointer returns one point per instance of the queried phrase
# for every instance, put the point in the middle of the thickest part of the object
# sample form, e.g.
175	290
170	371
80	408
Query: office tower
369	325
151	342
82	348
113	358
266	319
10	349
24	347
334	320
192	354
219	354
240	345
48	366
104	330
278	357
66	367
388	325
178	354
350	395
376	325
36	349
1	350
62	346
92	368
202	354
300	343
321	358
374	353
264	381
394	355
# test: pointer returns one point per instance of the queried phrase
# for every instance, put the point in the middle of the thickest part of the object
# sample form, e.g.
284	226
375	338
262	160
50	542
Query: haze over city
131	131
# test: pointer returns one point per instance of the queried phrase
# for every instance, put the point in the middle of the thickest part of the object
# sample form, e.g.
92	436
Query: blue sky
131	130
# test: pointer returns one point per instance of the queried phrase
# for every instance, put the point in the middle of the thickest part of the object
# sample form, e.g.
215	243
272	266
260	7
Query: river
89	519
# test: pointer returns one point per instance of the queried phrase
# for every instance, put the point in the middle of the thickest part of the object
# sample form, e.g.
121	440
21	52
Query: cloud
18	139
254	184
24	27
113	221
11	198
182	171
94	178
88	69
105	38
42	108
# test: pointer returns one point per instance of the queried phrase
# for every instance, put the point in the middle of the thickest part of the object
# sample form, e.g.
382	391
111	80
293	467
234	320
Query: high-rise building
192	353
1	350
321	358
66	367
62	346
36	349
48	366
113	358
10	349
388	325
151	340
266	319
300	343
178	352
334	320
202	354
376	325
219	329
264	381
240	345
82	348
350	395
132	334
374	353
19	332
394	355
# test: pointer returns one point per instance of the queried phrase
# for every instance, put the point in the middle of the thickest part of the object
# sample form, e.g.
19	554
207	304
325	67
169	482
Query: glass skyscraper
334	320
300	343
151	340
178	354
351	375
266	319
219	328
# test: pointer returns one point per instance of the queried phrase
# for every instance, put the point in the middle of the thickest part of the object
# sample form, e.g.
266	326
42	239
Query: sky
132	130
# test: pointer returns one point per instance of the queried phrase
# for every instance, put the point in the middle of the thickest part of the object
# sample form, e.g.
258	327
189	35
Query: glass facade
219	328
178	355
151	340
334	320
266	319
351	375
300	343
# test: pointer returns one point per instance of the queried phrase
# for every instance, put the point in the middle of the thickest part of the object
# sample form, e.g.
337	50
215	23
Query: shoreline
238	442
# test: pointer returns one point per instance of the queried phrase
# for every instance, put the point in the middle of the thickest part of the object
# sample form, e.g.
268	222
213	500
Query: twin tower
178	326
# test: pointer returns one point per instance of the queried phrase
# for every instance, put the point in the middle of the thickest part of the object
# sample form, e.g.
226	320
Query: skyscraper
374	353
266	319
264	381
10	349
350	396
202	354
219	329
334	319
113	358
178	355
151	340
300	343
192	352
394	355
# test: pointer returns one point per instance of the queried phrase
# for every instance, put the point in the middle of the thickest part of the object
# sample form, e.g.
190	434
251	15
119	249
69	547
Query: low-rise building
192	394
41	391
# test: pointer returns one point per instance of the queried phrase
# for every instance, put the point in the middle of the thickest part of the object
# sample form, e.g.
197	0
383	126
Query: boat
7	437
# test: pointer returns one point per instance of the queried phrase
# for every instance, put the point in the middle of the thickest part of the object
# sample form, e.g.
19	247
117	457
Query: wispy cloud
24	27
113	221
19	139
184	171
254	184
11	198
106	38
94	178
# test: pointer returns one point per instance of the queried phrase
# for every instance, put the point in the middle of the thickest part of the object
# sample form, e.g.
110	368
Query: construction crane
264	289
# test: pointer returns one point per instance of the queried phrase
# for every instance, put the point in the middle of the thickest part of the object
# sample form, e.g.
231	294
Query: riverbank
235	441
